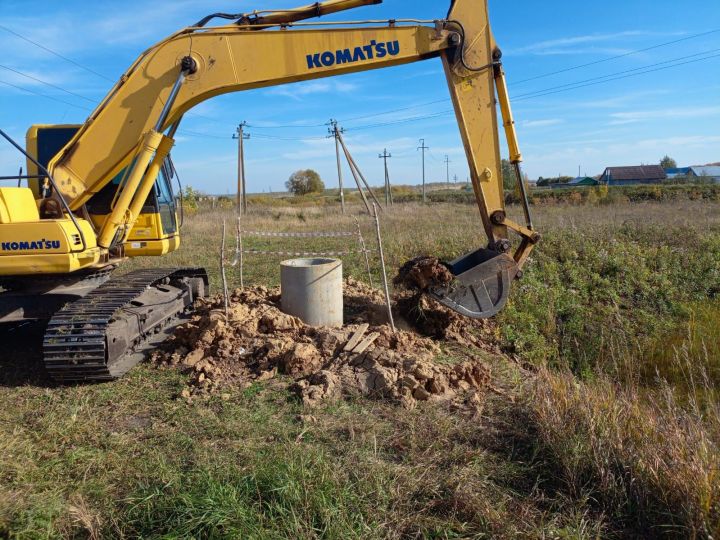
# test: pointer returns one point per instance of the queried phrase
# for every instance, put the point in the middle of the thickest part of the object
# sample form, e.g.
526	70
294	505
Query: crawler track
102	335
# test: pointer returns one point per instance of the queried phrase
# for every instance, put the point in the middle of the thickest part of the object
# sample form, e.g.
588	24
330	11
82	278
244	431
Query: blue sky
627	121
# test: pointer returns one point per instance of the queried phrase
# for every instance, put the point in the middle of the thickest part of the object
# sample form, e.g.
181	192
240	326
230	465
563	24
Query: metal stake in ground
364	250
382	267
222	269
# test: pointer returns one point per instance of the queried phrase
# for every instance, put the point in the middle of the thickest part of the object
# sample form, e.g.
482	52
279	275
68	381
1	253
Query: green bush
590	292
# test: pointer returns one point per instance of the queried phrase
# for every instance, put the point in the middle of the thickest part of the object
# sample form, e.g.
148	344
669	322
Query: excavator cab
156	230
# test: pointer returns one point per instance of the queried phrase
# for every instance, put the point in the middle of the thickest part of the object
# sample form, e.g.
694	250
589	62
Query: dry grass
626	445
647	460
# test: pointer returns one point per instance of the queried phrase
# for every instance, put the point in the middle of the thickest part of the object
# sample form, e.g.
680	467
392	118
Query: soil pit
257	341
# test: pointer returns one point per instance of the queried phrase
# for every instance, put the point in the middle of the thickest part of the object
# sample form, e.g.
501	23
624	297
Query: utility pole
388	192
335	133
455	179
423	148
240	135
447	169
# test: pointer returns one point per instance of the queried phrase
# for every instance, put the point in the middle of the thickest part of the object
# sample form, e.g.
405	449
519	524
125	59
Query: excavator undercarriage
105	333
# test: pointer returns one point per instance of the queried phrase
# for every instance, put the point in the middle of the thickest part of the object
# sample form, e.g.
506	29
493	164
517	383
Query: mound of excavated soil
256	341
432	319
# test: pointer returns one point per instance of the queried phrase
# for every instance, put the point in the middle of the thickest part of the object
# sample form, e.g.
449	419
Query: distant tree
508	175
668	163
191	197
304	182
556	180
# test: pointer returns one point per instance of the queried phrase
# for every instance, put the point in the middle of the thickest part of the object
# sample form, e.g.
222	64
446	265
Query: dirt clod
421	273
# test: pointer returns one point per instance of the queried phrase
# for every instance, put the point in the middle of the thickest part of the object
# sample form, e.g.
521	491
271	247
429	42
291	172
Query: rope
300	234
303	253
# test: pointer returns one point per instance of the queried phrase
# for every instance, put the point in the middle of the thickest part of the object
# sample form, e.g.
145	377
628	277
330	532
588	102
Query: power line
255	136
53	98
611	78
190	113
517	98
568	87
198	134
278	138
402	120
288	126
417	106
565	70
540	93
43	47
371	115
618	73
658	66
31	77
433	156
552	90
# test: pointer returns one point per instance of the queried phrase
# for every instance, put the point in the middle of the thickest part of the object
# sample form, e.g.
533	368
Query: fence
240	252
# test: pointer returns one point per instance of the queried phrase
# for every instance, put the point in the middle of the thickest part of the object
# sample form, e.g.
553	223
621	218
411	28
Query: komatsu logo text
350	56
30	246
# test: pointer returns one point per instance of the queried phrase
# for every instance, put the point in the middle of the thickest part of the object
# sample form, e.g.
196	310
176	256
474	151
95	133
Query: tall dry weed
648	458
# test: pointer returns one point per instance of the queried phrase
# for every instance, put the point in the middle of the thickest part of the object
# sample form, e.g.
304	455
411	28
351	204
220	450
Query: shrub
304	182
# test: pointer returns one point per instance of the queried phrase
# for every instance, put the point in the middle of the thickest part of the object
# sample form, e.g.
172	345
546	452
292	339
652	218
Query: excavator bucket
481	285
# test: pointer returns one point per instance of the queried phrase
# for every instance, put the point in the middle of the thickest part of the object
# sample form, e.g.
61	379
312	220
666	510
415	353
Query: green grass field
609	427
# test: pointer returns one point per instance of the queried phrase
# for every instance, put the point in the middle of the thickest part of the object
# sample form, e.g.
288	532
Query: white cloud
595	155
630	117
542	123
583	44
300	90
615	101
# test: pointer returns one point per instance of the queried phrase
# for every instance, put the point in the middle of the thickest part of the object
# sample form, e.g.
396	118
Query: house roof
640	172
581	180
706	171
677	170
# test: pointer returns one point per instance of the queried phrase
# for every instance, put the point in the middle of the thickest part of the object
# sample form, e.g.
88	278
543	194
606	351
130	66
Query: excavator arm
132	128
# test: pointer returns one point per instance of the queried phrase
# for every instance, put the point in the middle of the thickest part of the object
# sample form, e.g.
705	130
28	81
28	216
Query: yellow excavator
99	193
